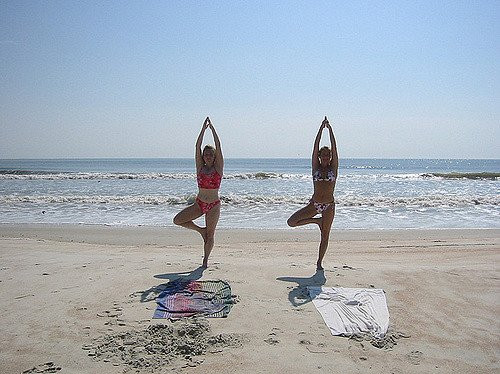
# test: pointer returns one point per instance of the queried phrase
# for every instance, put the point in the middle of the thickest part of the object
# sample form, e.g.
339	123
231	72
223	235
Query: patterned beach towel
186	298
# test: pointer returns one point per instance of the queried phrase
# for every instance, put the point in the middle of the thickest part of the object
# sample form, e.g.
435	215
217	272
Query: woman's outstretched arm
315	154
219	159
197	152
334	163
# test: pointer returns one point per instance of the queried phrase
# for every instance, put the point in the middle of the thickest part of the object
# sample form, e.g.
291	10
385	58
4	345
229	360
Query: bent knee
291	222
177	220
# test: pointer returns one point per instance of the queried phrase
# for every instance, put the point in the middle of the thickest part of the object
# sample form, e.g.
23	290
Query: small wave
265	175
27	175
382	177
85	199
32	175
483	175
258	175
363	167
36	175
25	172
148	199
426	201
246	200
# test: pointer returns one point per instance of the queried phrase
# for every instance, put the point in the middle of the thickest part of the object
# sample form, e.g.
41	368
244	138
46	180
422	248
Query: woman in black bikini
325	164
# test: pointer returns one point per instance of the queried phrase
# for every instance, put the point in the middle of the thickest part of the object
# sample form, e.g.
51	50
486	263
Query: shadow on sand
298	295
153	292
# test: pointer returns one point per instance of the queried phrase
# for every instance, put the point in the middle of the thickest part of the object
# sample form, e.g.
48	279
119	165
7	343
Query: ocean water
255	193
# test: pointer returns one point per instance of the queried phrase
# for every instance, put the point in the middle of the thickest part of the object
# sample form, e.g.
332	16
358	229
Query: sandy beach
64	288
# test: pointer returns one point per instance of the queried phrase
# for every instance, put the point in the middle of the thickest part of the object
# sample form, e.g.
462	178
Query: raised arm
197	152
315	154
219	159
334	163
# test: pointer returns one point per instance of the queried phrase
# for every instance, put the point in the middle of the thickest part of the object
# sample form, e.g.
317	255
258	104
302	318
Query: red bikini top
210	181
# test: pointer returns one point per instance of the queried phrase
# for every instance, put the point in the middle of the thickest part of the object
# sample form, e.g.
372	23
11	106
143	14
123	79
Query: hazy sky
397	79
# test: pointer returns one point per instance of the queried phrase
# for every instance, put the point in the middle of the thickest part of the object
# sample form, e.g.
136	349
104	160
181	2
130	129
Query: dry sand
79	299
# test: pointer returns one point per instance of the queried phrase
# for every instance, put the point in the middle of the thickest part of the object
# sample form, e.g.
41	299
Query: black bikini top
318	176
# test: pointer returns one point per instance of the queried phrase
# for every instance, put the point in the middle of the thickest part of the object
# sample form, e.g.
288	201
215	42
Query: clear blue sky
398	79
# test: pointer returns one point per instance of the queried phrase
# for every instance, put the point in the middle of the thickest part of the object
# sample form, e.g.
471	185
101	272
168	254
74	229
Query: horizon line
241	158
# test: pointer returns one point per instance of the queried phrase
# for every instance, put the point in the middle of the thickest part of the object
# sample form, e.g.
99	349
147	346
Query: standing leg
186	216
326	224
211	219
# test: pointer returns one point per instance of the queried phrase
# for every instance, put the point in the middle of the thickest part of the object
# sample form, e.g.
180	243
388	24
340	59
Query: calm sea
255	193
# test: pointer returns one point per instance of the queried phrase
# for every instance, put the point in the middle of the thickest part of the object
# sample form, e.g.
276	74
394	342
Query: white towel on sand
349	311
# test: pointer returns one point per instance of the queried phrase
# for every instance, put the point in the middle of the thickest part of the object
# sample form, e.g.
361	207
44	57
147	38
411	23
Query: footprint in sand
271	341
414	357
272	336
113	315
48	367
314	348
109	313
348	267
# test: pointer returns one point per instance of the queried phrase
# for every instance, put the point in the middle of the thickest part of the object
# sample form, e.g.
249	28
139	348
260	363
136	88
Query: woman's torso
324	185
208	184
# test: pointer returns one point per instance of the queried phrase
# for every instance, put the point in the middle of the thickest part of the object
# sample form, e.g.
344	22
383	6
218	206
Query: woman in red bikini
325	164
209	166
